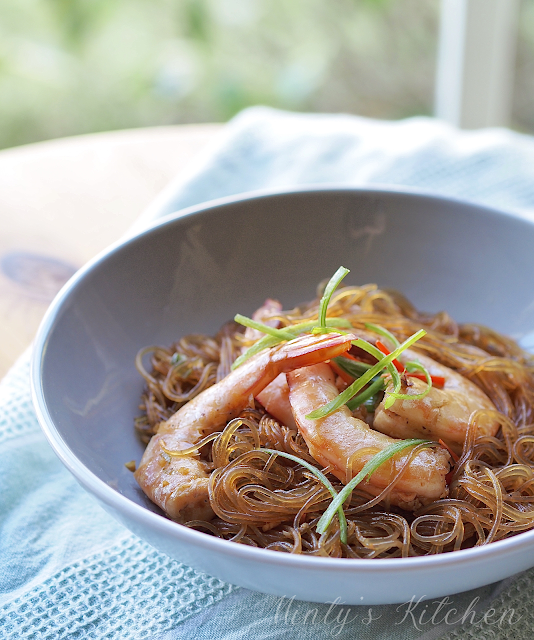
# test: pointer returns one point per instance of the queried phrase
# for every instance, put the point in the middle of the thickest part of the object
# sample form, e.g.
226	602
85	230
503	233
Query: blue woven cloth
67	570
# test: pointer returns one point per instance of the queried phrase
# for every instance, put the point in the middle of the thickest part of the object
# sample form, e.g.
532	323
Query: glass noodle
271	500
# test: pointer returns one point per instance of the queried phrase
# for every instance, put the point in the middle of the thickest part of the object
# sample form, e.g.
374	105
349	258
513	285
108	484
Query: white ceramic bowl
194	272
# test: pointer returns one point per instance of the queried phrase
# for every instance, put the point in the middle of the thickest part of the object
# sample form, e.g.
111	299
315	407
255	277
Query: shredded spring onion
273	336
358	384
392	369
369	468
332	285
178	358
376	385
395	395
279	334
376	328
352	367
324	480
269	340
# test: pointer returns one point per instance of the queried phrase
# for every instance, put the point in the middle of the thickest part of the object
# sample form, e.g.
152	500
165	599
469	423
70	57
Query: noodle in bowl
261	501
191	274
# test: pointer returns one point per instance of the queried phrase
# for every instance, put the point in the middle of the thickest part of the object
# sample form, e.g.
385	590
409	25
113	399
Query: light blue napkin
262	148
67	570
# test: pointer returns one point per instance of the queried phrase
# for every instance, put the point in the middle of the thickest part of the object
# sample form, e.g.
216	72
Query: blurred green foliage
79	66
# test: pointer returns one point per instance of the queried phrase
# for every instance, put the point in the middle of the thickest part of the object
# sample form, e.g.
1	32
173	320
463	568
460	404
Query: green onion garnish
358	384
376	353
178	358
295	330
372	403
274	336
411	366
376	386
376	328
369	467
279	334
352	367
324	480
327	294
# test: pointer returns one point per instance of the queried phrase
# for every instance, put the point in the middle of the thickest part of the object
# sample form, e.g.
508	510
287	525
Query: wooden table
63	201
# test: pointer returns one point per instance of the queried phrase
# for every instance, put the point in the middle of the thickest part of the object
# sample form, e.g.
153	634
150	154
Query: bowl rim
138	513
381	188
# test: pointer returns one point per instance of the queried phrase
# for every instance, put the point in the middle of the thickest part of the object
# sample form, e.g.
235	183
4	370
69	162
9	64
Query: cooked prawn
275	399
267	314
442	414
179	484
344	444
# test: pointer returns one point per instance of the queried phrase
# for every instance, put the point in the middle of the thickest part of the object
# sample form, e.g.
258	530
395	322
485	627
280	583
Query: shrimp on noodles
179	484
275	396
344	444
233	450
443	413
275	399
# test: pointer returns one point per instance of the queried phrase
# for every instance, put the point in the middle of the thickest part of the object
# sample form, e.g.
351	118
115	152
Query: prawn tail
311	349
